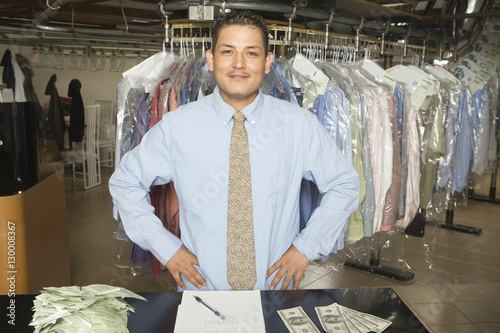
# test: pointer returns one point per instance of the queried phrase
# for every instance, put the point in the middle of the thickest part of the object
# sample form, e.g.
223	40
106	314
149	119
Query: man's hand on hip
182	262
291	263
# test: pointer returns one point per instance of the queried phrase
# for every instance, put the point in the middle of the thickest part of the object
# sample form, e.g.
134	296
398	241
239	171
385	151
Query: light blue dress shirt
190	146
463	143
481	130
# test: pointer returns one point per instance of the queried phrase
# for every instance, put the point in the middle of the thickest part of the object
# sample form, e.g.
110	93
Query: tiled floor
457	275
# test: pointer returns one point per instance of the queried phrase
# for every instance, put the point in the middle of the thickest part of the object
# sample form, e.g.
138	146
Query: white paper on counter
242	311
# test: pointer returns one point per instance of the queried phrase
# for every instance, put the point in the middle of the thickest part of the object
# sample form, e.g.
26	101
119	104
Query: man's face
239	62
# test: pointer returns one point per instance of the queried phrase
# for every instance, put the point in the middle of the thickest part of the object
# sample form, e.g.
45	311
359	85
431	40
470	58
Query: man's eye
253	54
226	51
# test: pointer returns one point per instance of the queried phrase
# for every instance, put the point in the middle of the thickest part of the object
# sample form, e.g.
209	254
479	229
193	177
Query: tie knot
239	117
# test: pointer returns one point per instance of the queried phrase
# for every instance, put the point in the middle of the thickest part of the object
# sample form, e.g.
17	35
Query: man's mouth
238	76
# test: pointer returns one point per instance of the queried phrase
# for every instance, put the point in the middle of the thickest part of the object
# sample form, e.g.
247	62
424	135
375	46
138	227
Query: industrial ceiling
140	24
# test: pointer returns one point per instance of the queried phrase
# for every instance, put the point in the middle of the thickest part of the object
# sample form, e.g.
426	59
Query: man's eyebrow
246	47
254	47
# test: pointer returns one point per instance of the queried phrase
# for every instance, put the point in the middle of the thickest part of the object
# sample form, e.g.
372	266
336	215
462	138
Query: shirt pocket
270	183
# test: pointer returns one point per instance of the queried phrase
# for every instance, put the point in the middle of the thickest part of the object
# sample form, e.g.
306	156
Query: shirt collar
225	112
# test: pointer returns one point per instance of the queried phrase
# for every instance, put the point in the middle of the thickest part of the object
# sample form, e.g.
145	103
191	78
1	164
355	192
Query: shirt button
253	122
224	123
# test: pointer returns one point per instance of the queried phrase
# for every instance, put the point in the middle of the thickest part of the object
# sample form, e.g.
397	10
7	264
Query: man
191	146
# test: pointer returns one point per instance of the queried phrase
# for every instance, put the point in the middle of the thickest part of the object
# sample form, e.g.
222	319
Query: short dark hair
240	17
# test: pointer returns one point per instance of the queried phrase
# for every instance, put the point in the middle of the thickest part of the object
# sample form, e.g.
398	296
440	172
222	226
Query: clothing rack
448	224
287	36
373	265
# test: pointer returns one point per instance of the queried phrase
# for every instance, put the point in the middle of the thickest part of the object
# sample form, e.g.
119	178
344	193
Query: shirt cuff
164	245
306	250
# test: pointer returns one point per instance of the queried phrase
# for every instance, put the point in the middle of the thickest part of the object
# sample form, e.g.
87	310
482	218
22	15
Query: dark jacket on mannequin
56	119
8	71
29	90
77	113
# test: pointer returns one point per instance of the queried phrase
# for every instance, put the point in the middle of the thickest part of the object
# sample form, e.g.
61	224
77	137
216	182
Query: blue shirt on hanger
463	144
278	86
480	129
190	146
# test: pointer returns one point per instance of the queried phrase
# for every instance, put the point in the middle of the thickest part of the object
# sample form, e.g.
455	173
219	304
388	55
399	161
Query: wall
96	85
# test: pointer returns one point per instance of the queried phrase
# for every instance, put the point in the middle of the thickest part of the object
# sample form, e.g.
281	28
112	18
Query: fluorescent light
399	4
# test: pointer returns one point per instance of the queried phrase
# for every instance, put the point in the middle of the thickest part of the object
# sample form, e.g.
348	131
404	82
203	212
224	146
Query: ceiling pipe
82	2
460	16
54	7
304	12
308	13
270	7
50	11
124	17
389	9
382	44
50	35
90	32
165	15
107	46
23	25
429	18
290	17
132	4
327	28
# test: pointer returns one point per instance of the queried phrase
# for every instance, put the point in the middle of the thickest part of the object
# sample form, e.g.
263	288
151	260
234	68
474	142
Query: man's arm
338	181
150	164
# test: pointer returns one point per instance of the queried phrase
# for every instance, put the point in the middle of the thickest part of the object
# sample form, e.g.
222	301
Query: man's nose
239	61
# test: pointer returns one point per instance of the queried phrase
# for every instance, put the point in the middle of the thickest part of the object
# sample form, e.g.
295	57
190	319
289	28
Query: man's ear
210	59
269	61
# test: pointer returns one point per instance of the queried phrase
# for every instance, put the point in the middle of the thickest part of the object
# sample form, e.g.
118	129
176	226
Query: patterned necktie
241	273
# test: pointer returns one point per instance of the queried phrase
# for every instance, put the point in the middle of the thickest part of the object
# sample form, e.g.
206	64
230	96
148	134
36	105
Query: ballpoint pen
217	313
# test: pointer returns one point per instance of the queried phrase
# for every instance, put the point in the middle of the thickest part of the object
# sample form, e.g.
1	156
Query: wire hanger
344	55
334	53
203	47
184	46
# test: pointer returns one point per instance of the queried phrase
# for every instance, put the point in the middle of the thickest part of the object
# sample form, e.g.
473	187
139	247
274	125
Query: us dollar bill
297	321
375	324
332	319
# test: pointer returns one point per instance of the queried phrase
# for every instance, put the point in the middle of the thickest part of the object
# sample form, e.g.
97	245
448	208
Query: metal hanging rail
284	35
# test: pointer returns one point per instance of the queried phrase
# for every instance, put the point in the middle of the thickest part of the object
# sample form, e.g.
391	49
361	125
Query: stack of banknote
94	308
333	318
